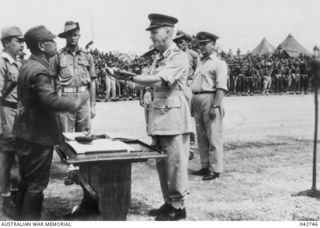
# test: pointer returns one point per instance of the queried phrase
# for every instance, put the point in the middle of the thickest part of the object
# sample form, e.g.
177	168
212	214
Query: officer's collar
8	57
77	50
40	59
169	50
213	55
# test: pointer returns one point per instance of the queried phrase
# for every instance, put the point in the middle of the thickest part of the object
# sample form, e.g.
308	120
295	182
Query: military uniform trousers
78	121
9	170
35	163
173	170
209	132
266	83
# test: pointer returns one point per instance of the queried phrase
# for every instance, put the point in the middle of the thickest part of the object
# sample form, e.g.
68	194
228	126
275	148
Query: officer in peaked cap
182	40
160	20
168	115
36	125
209	88
205	37
181	35
13	31
13	44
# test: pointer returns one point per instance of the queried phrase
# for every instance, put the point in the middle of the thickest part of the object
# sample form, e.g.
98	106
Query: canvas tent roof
264	47
291	46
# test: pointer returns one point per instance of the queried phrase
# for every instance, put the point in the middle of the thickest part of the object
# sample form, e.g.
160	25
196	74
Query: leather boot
13	194
8	207
19	202
32	205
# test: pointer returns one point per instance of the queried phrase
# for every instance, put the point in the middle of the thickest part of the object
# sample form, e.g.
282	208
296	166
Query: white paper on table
97	145
70	136
115	135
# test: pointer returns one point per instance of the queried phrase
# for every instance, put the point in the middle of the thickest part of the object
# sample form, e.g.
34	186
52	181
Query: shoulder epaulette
60	51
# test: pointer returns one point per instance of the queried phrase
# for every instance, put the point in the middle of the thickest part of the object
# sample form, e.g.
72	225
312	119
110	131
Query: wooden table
106	177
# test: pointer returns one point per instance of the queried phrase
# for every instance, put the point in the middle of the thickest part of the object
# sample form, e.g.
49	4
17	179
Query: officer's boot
14	195
19	202
8	207
32	205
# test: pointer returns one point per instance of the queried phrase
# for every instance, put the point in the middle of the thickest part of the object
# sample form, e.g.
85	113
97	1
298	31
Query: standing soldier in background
76	78
36	125
12	41
304	77
267	72
110	84
249	75
236	74
182	40
209	88
297	78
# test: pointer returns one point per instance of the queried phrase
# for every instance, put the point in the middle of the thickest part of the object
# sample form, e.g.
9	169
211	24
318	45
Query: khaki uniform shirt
169	113
212	75
193	61
9	71
73	70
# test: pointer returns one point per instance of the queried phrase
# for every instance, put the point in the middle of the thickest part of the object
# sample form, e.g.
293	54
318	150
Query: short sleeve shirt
169	114
172	67
73	70
212	75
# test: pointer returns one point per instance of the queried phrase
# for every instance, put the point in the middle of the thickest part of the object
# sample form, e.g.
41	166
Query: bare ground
257	185
268	157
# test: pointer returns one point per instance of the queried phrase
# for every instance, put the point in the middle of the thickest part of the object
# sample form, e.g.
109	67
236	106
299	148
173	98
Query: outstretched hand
120	74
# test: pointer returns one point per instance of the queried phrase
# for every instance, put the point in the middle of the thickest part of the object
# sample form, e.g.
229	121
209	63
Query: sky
120	25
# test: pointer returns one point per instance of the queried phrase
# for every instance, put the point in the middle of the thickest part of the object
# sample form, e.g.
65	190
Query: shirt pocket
12	76
84	66
167	114
66	70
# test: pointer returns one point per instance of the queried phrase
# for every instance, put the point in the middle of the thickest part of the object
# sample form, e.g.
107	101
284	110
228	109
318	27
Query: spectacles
51	41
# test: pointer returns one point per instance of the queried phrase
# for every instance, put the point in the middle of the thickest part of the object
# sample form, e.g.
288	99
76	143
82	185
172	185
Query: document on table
96	146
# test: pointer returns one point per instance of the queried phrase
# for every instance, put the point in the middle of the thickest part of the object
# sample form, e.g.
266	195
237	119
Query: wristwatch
216	106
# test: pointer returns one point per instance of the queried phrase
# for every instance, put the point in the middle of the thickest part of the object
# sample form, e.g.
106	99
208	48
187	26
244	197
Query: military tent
291	46
264	47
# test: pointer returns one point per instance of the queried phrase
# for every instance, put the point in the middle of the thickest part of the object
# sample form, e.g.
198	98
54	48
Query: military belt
74	89
203	92
167	94
9	104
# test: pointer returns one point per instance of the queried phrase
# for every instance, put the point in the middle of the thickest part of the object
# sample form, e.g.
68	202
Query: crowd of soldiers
248	74
277	73
109	88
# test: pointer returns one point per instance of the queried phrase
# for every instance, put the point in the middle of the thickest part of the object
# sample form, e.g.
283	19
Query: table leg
112	182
